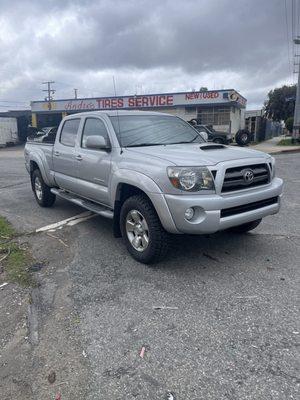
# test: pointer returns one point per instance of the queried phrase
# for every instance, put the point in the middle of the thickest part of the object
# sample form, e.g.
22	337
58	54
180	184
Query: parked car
213	135
46	135
154	175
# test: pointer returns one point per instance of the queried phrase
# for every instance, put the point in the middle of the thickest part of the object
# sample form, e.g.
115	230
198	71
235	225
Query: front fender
150	188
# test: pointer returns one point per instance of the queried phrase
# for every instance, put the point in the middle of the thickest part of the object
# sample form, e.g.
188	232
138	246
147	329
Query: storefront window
190	110
214	116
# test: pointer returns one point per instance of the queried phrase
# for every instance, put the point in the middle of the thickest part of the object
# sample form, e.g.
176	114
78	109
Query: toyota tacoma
154	175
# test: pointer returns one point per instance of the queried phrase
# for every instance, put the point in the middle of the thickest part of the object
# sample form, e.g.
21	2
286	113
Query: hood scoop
212	147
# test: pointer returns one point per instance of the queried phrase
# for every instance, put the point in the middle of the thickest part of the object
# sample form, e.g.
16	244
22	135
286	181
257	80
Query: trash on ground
142	353
5	256
36	267
84	354
59	239
3	284
52	377
170	396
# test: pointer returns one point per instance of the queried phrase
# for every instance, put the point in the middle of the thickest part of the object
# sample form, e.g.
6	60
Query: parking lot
218	319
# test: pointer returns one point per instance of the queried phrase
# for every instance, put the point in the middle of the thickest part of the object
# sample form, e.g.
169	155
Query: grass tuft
6	230
14	259
287	142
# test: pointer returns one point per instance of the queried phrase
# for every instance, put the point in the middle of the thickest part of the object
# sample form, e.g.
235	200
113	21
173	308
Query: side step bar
89	205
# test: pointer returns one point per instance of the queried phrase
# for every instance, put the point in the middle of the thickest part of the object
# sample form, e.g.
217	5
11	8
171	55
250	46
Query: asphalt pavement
218	319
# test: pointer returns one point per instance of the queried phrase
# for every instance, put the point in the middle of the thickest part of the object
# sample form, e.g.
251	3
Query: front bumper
208	219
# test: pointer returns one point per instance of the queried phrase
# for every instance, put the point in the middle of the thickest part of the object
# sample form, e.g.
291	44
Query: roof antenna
114	82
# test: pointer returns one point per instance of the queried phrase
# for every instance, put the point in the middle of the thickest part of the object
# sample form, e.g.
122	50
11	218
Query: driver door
93	164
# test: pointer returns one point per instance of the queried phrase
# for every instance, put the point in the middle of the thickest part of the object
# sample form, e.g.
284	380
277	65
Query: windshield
153	130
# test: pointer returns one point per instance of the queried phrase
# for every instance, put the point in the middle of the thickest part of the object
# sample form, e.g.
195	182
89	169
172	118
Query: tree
203	89
289	123
281	103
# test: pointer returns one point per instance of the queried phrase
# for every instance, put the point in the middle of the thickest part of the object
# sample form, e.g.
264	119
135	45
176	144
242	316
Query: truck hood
197	154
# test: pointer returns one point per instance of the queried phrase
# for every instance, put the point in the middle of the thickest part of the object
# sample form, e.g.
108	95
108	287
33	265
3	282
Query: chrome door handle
79	157
56	153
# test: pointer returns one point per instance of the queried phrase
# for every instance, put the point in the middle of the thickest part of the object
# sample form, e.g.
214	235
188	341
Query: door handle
79	157
57	153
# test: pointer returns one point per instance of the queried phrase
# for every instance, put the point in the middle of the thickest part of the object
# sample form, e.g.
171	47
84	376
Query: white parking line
68	222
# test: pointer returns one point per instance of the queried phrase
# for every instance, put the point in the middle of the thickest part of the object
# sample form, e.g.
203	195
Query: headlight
191	179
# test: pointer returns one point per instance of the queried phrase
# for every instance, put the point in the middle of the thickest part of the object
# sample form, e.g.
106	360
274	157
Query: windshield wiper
185	142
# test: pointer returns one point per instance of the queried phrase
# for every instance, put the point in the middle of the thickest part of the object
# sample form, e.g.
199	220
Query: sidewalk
270	146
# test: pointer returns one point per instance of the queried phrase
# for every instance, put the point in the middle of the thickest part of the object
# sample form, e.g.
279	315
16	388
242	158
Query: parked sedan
215	136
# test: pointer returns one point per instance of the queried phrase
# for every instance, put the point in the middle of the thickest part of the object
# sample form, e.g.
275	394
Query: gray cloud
149	46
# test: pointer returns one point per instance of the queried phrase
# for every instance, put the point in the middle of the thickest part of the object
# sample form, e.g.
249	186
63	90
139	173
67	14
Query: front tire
144	237
249	226
42	192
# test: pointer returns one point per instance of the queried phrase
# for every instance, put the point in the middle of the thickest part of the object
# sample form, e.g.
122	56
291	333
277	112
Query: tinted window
93	127
147	130
69	132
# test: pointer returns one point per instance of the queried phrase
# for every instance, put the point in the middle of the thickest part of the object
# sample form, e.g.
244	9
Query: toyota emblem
248	176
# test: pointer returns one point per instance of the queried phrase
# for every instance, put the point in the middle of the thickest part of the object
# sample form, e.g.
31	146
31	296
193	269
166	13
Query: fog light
189	213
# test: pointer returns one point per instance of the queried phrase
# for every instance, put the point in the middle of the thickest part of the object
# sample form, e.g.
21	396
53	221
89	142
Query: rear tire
145	238
41	191
249	226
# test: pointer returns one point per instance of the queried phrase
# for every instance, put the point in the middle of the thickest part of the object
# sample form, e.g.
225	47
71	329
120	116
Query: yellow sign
50	105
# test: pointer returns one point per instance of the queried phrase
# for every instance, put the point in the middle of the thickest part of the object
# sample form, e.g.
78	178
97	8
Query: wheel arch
123	192
126	183
37	163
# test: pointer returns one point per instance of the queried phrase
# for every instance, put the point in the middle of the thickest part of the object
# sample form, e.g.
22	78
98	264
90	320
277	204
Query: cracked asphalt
219	318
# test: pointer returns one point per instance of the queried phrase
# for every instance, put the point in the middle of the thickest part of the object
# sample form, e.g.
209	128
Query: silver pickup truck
154	175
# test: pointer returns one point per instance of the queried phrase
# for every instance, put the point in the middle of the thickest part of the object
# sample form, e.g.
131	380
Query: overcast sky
149	46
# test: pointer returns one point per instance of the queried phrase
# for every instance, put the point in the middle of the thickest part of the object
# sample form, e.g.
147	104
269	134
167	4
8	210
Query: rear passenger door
93	164
64	161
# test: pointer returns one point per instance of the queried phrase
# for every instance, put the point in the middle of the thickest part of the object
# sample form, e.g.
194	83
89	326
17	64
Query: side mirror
204	135
97	142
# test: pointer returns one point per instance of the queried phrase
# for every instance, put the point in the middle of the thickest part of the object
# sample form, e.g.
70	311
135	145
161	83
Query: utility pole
50	91
75	93
296	128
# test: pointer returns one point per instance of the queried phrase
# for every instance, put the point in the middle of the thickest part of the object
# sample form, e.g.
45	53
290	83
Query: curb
289	151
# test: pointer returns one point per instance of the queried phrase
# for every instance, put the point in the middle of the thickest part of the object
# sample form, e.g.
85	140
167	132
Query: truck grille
227	212
236	179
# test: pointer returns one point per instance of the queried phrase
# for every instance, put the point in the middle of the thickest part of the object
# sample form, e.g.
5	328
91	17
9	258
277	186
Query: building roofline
140	95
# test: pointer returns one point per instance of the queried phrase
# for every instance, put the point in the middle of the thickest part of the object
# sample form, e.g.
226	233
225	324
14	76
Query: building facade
222	109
